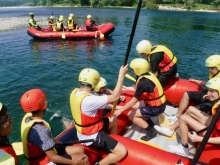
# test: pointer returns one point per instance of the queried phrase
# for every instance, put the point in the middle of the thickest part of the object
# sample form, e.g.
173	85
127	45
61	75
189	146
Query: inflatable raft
155	151
45	33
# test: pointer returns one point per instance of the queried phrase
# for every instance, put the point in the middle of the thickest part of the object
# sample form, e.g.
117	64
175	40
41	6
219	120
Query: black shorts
149	111
165	77
61	151
204	105
105	142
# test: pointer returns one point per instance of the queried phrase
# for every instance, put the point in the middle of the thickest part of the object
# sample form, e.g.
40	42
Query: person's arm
59	159
116	92
199	82
31	21
155	60
195	138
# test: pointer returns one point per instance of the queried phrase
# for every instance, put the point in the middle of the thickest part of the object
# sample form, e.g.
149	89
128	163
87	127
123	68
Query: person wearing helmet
32	22
194	97
38	144
101	88
51	22
60	24
70	24
5	131
198	121
150	90
162	60
90	24
86	110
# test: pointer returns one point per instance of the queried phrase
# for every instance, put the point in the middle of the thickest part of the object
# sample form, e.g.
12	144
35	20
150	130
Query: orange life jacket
88	22
216	130
33	154
10	150
84	124
169	59
156	98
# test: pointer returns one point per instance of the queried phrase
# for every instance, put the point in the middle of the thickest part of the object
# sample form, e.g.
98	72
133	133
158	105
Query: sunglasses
7	118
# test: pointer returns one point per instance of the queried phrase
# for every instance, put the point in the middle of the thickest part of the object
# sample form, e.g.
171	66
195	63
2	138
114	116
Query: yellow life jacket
216	76
216	130
6	159
59	25
84	124
33	154
169	59
156	98
70	24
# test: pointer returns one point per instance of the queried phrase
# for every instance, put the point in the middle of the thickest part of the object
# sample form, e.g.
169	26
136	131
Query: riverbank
171	8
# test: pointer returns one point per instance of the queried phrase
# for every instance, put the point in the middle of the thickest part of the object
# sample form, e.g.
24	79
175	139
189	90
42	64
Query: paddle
130	77
63	34
18	148
114	108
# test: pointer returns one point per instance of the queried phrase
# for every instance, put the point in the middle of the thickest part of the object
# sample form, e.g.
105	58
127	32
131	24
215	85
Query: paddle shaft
206	137
132	31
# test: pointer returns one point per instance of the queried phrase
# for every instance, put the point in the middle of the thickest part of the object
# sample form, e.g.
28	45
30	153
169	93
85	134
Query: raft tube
46	33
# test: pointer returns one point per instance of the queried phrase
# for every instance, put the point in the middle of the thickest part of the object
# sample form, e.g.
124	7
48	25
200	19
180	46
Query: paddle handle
114	108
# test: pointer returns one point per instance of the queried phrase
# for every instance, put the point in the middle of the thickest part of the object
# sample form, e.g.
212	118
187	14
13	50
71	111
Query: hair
3	110
84	84
35	112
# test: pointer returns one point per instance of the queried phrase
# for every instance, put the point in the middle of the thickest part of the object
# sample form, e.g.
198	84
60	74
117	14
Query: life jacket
156	98
70	24
33	154
216	130
33	21
169	59
59	25
6	158
84	124
88	22
9	149
216	76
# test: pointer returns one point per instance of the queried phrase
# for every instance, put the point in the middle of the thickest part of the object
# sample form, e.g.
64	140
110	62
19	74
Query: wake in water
66	122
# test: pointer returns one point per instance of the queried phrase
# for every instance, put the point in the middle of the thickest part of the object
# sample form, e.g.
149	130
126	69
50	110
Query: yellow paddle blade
114	107
18	147
165	122
130	77
63	36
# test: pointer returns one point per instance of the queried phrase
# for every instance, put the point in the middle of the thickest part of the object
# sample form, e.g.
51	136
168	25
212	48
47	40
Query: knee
182	118
189	110
122	151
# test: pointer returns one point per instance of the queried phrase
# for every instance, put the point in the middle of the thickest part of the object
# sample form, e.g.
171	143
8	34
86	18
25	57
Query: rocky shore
10	23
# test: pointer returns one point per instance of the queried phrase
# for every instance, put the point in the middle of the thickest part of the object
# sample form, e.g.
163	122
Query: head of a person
61	16
101	87
213	86
5	121
139	66
31	14
33	101
213	64
89	16
51	17
144	48
71	15
61	19
89	78
70	18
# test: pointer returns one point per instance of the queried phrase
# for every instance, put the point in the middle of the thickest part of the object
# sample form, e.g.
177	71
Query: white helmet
144	46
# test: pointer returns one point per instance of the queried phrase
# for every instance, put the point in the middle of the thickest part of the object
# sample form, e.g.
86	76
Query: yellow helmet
102	36
214	84
71	15
51	17
89	76
101	84
213	61
70	18
60	19
89	16
139	66
61	16
31	13
144	46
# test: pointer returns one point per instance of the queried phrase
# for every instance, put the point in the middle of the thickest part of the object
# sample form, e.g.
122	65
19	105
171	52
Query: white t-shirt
90	106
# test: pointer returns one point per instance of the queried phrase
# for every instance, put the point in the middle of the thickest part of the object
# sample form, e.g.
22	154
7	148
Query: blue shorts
149	111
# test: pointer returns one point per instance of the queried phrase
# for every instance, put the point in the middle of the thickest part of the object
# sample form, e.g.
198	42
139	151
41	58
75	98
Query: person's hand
123	70
117	112
193	137
205	97
192	80
82	160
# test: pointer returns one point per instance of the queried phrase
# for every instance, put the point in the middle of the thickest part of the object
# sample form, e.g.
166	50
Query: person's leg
113	125
77	153
136	117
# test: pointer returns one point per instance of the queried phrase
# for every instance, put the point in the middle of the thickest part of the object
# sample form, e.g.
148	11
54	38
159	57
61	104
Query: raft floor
160	141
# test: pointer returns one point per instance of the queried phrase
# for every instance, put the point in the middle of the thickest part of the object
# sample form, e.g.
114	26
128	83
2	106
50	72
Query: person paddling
150	90
90	24
5	131
162	60
86	110
38	144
